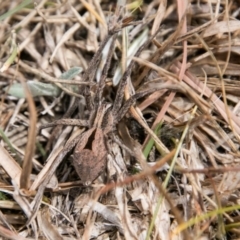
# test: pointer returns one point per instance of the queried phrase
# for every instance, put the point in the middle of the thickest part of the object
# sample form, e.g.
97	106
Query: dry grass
149	95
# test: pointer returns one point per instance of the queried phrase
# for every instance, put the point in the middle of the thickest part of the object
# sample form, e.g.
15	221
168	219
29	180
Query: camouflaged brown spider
101	113
90	152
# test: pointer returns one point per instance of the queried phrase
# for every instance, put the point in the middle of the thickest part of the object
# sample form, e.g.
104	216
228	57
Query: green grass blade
15	9
150	143
12	149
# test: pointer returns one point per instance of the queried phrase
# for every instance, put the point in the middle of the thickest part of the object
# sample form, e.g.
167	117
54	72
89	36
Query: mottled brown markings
95	60
66	122
89	163
101	85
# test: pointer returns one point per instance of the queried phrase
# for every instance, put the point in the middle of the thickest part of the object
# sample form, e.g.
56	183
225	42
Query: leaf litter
72	156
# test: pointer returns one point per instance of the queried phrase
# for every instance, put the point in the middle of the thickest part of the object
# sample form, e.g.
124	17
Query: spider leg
101	84
121	113
80	103
91	70
66	122
67	148
120	91
98	102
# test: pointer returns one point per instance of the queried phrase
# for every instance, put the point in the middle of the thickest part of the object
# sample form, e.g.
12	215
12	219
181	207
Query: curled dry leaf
48	229
89	158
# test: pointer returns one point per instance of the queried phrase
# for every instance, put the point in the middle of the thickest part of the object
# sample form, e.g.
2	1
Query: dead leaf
48	229
221	27
89	163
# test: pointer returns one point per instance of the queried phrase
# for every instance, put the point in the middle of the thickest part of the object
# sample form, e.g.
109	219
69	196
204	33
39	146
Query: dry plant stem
193	82
104	29
57	129
14	115
45	224
8	234
96	15
30	147
29	17
141	121
229	119
10	166
186	130
176	85
209	170
160	115
138	117
221	228
175	211
29	38
64	38
126	223
48	78
182	9
229	40
37	200
149	173
199	190
89	225
68	185
151	99
124	50
165	46
139	176
195	30
25	206
166	181
80	19
107	214
35	162
159	16
58	147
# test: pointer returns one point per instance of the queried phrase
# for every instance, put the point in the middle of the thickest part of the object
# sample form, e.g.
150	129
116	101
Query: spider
90	151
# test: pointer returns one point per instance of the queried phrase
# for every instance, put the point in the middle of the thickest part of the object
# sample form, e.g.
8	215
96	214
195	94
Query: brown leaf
49	230
89	163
